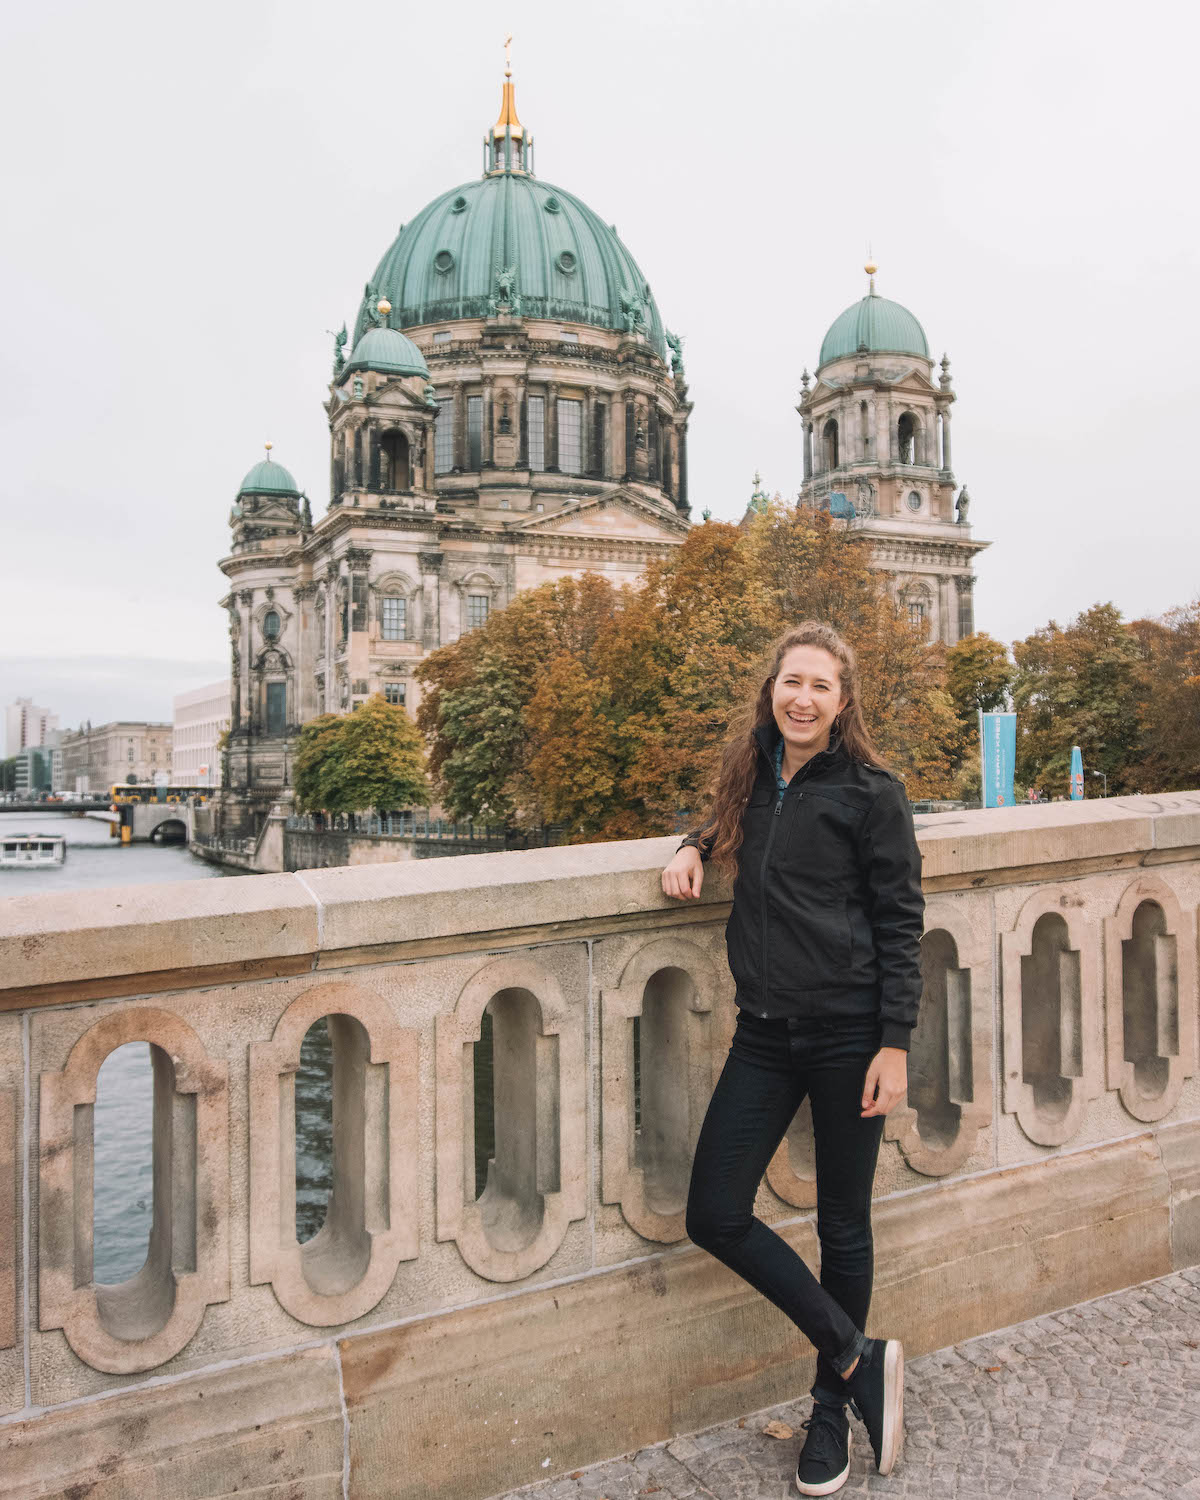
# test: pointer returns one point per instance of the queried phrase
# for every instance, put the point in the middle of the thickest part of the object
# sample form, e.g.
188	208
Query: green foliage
371	758
979	677
1079	684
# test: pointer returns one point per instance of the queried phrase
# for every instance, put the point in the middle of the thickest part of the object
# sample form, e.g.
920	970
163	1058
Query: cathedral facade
510	410
876	434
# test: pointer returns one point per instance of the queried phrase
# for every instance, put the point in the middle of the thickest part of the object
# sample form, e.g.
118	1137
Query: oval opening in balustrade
341	1159
523	1093
662	1135
1150	998
313	1103
940	1065
1051	1016
139	1140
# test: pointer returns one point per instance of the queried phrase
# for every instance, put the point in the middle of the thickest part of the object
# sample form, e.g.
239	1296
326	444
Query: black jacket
827	905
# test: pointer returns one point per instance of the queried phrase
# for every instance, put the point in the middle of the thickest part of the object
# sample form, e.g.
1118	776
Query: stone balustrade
439	1340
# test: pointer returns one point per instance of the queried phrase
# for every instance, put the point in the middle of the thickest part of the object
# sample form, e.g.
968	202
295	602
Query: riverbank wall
458	1328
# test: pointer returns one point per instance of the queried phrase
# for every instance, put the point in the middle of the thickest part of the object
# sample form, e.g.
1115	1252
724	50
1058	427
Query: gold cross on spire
508	56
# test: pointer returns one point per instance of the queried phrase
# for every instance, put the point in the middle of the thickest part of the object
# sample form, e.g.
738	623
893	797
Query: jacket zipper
762	873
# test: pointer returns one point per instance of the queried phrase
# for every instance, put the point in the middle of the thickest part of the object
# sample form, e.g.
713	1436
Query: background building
877	449
529	423
26	724
201	717
95	759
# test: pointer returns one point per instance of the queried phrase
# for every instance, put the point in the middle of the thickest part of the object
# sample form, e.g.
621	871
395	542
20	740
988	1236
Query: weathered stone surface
79	935
662	1346
375	904
1099	1400
1180	1147
12	1215
272	1429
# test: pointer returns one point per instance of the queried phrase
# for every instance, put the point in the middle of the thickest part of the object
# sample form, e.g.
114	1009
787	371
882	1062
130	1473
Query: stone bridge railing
437	1341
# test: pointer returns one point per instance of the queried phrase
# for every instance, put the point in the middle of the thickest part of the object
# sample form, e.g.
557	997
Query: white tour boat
18	850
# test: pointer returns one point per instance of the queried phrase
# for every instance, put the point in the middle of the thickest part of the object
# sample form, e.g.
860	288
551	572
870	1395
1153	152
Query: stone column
552	427
306	678
460	426
245	644
431	601
807	448
586	462
486	443
946	464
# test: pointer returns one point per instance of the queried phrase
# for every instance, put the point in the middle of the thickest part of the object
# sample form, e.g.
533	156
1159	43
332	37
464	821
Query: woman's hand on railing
684	876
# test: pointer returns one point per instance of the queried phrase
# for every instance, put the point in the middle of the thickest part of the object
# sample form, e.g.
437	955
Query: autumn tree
979	677
1079	684
1169	746
371	758
477	690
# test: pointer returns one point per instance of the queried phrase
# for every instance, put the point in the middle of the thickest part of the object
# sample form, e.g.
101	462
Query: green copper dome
874	326
268	478
388	351
511	238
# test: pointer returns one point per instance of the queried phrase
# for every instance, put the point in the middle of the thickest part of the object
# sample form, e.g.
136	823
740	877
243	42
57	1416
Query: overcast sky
193	196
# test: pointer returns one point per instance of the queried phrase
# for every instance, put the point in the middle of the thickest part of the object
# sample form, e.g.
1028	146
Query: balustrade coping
80	945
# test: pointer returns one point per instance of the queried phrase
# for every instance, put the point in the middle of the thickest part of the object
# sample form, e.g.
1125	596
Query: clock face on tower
914	500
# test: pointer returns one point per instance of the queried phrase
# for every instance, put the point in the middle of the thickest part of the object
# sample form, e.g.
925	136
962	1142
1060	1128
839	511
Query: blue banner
1076	774
998	751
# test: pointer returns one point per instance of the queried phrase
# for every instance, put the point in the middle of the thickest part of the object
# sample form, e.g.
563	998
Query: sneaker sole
831	1485
893	1405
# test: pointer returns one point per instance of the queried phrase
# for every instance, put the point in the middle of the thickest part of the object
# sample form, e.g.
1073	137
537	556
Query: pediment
916	380
620	516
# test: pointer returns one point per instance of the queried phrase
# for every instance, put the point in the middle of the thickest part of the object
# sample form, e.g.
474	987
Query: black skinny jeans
771	1066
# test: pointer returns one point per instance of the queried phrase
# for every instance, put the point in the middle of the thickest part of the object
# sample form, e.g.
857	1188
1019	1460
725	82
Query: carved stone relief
371	1222
1051	1010
1150	962
145	1321
667	991
536	1184
949	1098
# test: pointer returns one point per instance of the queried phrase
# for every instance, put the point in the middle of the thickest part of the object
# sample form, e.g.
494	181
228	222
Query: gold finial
508	105
383	307
268	447
870	268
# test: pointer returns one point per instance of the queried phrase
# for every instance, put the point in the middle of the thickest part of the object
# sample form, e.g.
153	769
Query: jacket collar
768	736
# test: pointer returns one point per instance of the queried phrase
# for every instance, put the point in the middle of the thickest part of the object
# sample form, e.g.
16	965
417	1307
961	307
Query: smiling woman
824	945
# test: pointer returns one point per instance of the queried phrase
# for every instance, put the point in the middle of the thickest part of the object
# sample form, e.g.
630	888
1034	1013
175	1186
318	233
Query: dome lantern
508	147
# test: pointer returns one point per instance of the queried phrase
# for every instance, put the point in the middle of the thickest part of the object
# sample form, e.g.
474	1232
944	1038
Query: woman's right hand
684	876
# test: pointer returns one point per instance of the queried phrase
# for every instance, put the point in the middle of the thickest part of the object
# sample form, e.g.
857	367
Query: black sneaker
877	1396
825	1458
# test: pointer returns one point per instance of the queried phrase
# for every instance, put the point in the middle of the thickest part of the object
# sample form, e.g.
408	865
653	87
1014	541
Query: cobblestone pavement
1102	1399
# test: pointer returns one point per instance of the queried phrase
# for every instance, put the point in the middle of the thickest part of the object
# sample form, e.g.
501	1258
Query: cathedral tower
877	451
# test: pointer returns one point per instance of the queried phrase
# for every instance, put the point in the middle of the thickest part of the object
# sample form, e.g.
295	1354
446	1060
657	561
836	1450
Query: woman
824	945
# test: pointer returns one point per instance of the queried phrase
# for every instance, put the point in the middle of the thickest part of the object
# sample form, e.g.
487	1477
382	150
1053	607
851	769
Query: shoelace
824	1432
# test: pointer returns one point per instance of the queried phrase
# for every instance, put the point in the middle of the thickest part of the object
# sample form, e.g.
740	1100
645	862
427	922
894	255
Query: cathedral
877	451
510	410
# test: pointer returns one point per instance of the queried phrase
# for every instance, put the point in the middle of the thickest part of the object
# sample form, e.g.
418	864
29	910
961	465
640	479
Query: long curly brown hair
734	780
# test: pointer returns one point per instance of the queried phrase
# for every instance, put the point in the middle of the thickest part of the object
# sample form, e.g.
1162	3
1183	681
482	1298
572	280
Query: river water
124	1200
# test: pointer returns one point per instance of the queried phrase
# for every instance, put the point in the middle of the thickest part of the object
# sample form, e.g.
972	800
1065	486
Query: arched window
906	439
271	625
477	610
393	618
831	444
864	430
393	462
